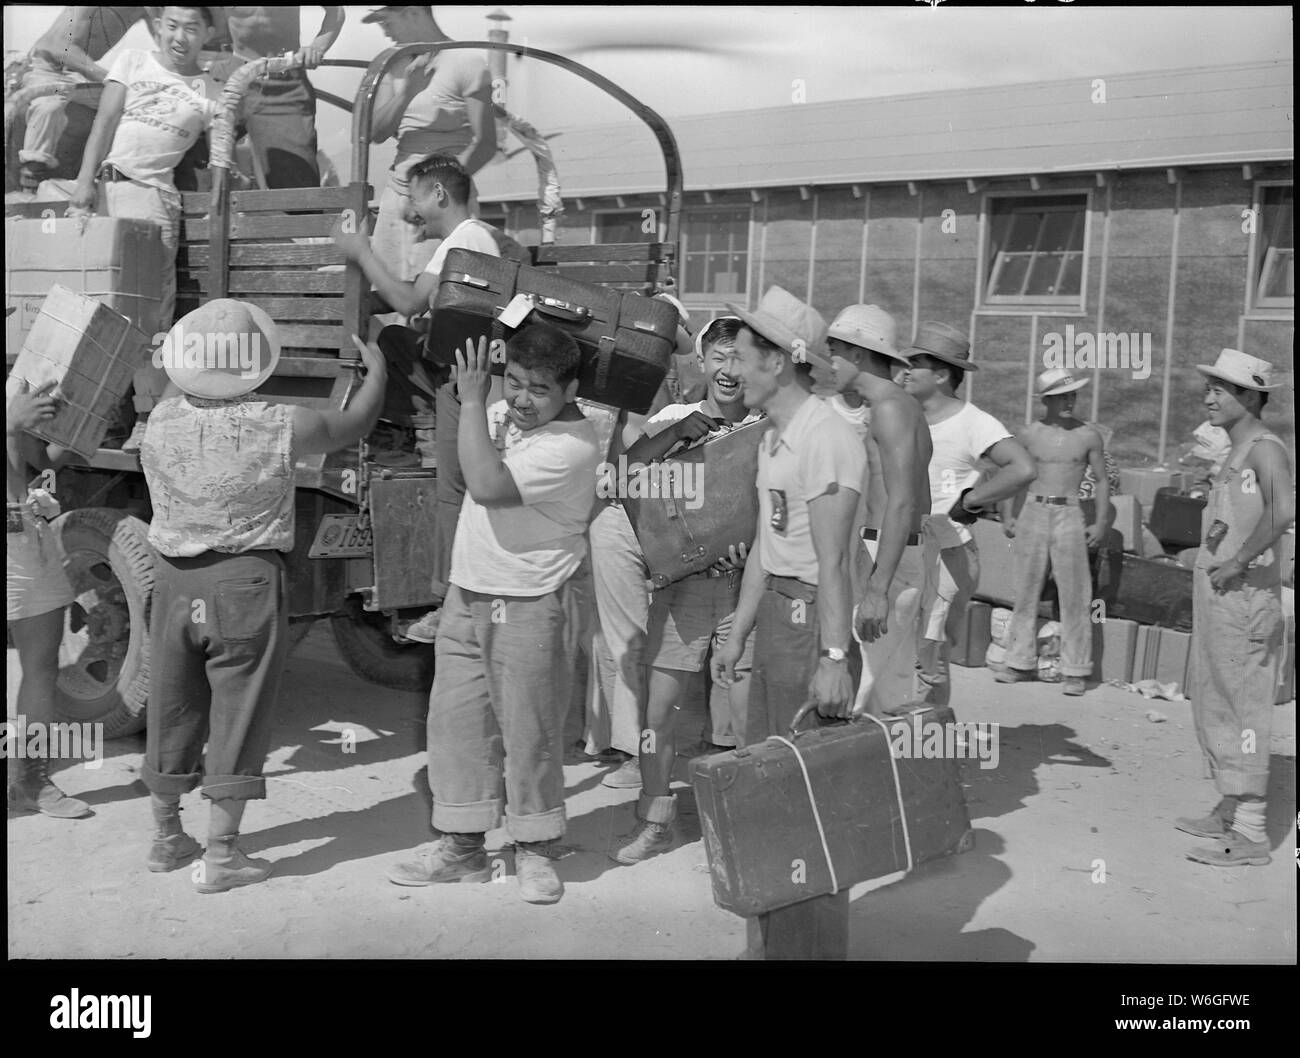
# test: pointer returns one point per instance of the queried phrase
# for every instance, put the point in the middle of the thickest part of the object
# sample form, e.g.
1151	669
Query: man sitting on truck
155	107
501	685
419	394
219	465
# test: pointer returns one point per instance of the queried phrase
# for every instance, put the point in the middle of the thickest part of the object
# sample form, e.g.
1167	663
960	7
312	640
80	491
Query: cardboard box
974	636
1142	482
92	353
1114	643
1162	654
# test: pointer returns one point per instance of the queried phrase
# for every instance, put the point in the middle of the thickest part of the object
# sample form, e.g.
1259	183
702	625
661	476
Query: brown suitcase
682	534
627	340
763	835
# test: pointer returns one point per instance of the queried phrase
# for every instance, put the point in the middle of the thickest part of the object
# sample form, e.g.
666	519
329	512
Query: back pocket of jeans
245	608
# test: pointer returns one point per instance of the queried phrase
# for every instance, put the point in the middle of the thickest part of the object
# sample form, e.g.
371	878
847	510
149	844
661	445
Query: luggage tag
514	314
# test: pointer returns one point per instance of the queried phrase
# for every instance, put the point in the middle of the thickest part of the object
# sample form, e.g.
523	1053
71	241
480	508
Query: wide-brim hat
221	350
789	324
1241	369
868	327
1057	380
377	13
943	343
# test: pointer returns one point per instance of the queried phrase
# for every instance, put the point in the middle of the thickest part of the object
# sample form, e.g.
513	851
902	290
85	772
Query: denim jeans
496	715
1052	531
219	634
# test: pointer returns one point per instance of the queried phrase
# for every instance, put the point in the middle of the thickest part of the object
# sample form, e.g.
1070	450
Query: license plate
341	536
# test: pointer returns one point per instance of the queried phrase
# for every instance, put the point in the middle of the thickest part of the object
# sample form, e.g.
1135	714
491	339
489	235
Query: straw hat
1057	380
868	327
787	323
943	343
1241	369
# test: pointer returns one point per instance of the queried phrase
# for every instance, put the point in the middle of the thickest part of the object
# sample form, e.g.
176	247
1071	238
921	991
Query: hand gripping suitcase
627	340
1176	518
1150	591
794	818
690	509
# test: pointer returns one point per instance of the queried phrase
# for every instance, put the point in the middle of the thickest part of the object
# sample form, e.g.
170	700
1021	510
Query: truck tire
104	655
370	652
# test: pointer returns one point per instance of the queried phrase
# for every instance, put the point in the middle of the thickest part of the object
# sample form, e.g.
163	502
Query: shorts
36	583
689	615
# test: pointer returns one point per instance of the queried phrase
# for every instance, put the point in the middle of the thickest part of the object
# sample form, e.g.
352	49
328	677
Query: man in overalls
1237	612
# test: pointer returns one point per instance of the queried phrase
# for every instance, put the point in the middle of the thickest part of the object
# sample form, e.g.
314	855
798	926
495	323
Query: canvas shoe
1233	850
646	840
1214	825
538	882
442	862
626	777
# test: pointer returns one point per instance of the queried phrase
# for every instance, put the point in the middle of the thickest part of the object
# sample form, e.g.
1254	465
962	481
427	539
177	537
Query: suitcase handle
563	309
803	711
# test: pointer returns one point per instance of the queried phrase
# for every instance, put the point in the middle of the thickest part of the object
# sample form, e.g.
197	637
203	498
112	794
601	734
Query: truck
363	546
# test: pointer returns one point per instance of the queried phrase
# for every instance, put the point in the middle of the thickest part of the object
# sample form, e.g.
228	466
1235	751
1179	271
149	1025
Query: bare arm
408	298
329	33
1015	470
59	44
1101	490
394	96
896	440
328	431
1268	471
100	141
649	449
830	518
478	108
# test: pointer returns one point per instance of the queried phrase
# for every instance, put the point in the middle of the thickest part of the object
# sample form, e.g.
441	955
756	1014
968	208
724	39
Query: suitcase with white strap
794	818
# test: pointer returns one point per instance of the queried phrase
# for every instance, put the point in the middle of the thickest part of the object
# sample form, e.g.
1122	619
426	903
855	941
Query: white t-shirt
859	418
530	550
469	234
163	116
959	443
671	413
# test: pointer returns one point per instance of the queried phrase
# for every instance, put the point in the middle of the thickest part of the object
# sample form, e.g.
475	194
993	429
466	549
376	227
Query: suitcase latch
468	280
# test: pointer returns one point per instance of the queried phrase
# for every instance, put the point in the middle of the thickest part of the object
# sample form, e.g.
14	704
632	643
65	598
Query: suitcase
92	353
680	534
1163	655
1176	518
760	831
627	339
1114	642
115	261
1150	591
974	636
1143	482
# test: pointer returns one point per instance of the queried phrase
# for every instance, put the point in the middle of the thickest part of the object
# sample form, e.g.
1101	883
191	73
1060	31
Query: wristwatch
834	653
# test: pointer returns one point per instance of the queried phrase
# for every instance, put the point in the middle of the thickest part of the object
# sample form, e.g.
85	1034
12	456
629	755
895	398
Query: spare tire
104	655
365	643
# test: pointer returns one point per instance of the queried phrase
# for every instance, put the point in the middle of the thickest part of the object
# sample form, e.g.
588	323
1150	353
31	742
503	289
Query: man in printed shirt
501	689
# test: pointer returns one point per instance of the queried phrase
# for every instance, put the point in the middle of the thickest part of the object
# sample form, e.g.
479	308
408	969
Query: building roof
1197	116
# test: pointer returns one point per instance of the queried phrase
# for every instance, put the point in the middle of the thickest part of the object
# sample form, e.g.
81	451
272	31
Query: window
624	225
1037	250
715	253
1275	247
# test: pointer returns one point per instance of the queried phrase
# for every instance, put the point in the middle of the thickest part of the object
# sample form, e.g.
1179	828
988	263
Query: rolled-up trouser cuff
234	787
540	826
1239	784
475	817
159	783
662	809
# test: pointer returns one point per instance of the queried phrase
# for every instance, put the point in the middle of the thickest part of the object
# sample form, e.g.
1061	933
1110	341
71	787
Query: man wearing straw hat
1048	524
1237	611
962	435
889	569
220	470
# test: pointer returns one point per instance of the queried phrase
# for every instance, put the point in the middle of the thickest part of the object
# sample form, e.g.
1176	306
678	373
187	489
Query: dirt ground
1078	780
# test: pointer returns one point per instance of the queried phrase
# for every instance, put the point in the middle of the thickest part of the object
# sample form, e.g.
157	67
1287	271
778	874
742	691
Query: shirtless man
279	112
68	53
1049	523
889	572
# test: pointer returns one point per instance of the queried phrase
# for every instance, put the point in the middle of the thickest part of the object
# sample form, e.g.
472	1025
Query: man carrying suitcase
1047	523
889	569
1237	611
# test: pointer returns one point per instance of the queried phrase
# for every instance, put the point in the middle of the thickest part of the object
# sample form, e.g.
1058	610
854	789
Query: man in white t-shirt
434	104
155	106
962	435
496	710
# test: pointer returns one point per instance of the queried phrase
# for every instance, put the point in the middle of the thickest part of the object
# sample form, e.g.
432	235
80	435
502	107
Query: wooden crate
92	352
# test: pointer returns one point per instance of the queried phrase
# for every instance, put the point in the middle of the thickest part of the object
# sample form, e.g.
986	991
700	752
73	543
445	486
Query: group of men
860	567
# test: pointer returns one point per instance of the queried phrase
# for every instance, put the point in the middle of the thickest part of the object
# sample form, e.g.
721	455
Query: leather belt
112	174
1055	501
913	539
791	587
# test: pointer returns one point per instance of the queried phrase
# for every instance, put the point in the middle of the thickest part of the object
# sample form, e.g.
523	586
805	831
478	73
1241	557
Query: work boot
224	867
538	882
1073	685
1006	674
33	791
1214	825
654	833
172	847
626	777
452	858
1233	850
